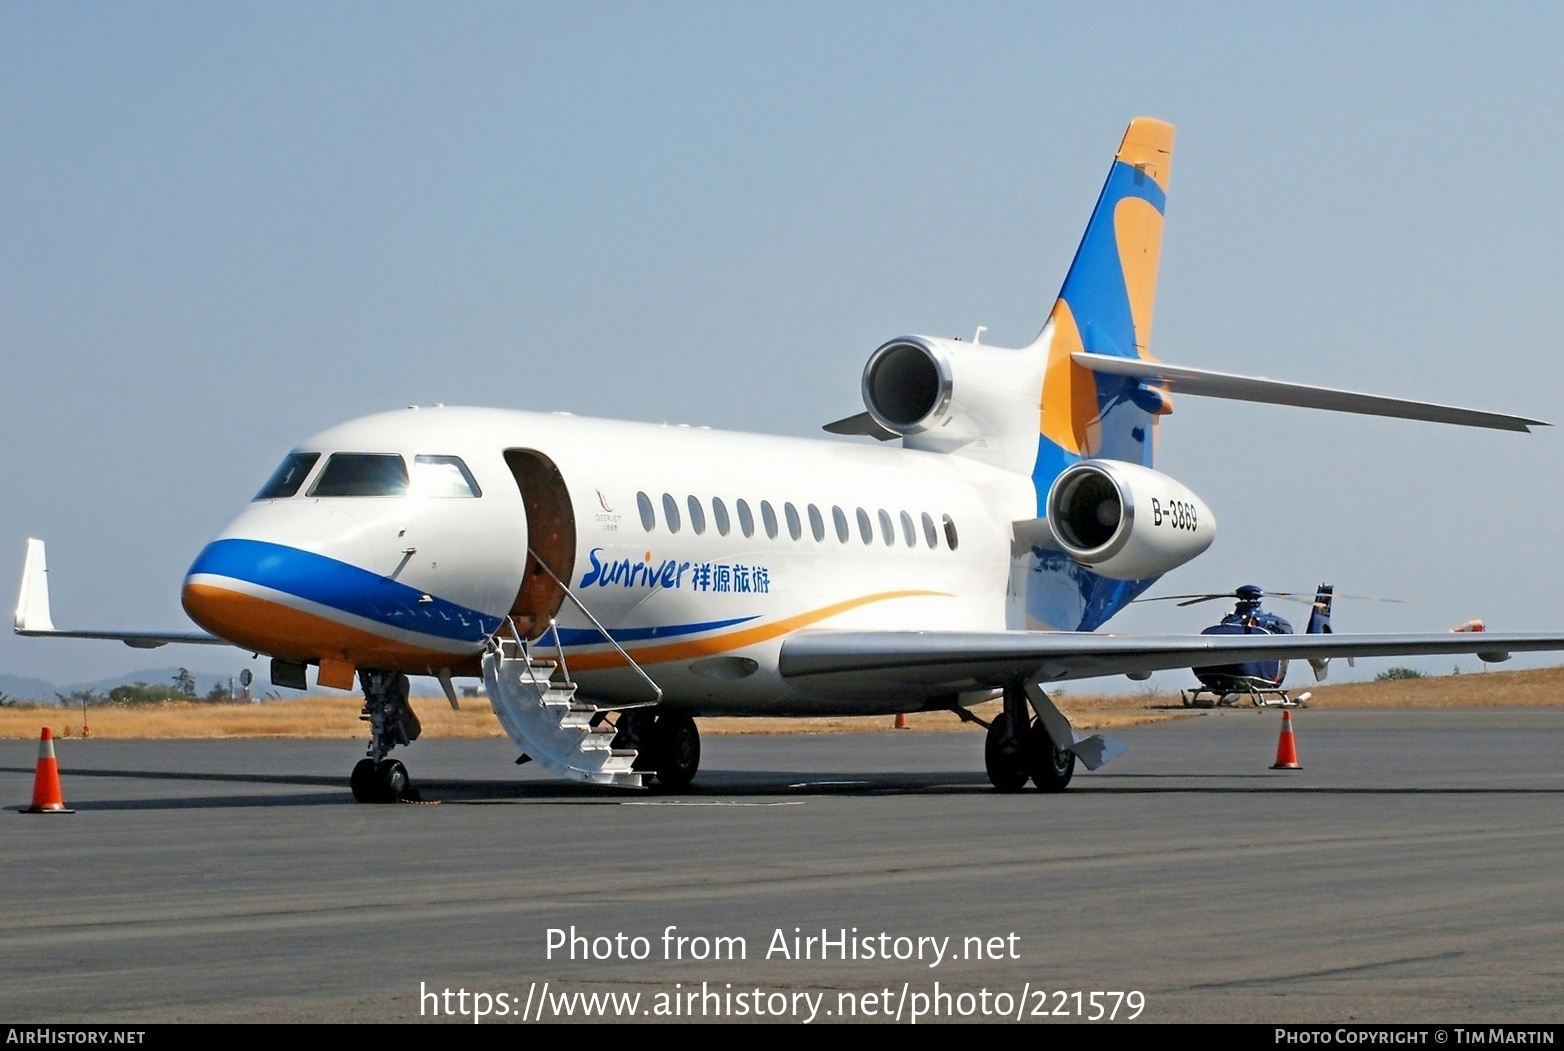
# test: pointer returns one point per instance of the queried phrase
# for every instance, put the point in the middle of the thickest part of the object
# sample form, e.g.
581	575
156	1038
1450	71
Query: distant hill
17	688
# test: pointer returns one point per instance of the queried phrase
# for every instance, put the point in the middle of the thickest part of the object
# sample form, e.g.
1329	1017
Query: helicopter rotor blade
1190	599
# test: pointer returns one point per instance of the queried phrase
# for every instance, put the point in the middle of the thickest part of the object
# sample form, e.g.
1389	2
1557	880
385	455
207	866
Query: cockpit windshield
362	474
285	481
442	476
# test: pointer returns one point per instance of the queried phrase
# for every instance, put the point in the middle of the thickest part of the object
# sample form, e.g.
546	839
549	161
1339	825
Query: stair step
546	719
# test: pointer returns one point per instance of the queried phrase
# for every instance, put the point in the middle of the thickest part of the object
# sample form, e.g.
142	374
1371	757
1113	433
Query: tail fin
1319	619
1105	307
1319	624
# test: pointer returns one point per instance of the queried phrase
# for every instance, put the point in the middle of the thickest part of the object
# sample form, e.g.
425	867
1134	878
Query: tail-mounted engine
946	395
1125	521
907	385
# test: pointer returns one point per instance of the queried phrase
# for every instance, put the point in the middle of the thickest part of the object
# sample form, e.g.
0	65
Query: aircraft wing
33	618
939	663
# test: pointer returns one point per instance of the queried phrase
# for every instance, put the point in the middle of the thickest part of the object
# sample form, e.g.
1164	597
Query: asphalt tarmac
1412	871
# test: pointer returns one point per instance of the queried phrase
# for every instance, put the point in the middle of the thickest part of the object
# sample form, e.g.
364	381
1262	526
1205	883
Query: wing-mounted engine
944	394
1125	521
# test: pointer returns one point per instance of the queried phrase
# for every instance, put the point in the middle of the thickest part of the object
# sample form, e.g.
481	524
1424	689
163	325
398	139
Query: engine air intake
906	386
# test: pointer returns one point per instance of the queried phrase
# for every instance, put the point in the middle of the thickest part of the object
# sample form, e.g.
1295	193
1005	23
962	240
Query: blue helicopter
1259	682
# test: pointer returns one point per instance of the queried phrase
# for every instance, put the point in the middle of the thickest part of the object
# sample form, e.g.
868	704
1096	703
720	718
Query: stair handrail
656	689
526	655
559	648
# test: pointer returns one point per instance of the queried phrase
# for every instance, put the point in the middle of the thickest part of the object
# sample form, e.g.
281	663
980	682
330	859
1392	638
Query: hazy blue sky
227	227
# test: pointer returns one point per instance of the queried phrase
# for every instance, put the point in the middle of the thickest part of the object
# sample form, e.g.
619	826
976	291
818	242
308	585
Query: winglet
32	604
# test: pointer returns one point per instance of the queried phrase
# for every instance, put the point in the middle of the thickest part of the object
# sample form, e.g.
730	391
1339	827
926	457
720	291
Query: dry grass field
337	717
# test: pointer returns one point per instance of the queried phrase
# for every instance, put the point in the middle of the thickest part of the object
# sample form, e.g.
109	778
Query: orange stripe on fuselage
280	631
675	651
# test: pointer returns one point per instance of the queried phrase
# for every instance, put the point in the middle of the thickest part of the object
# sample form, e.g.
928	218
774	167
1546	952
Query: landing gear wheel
391	781
1051	768
1005	756
675	749
365	787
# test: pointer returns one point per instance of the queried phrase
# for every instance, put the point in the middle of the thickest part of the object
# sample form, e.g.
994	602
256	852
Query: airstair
542	714
536	702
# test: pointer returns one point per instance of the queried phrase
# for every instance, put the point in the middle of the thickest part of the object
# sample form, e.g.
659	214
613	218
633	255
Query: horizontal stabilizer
1207	384
863	424
34	620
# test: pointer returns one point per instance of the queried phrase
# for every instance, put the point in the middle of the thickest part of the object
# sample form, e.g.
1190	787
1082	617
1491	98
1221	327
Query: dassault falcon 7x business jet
609	580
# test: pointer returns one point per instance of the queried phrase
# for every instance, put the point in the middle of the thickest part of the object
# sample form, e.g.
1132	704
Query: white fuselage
768	538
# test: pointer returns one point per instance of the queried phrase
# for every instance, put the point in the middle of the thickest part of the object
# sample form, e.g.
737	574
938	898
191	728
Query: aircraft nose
269	589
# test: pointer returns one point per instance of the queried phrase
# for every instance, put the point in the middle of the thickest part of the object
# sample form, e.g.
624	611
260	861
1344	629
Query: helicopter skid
1259	698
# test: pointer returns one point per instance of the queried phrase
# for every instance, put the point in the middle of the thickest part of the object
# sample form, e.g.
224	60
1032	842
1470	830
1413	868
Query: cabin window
746	520
648	516
769	517
908	533
697	516
442	477
816	523
795	528
865	529
285	481
671	513
362	474
929	536
840	520
887	530
719	514
950	532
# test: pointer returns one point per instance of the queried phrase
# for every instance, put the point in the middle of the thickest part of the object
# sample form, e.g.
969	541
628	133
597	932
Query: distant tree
5	702
219	693
1392	674
145	693
79	698
184	682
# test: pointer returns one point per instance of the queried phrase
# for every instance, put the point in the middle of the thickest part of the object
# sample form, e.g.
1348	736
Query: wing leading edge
936	663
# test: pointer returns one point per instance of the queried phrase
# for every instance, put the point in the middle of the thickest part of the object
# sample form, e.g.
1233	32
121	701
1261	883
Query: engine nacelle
945	395
1125	521
908	384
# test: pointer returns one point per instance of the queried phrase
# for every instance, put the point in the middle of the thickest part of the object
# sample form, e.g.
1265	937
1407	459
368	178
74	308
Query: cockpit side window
442	476
285	481
362	474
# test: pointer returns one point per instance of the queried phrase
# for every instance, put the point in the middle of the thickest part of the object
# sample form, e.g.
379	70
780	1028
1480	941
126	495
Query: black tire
676	749
391	780
634	730
1051	768
366	789
1005	760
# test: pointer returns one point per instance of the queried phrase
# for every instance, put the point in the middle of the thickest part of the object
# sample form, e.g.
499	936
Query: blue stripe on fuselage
344	587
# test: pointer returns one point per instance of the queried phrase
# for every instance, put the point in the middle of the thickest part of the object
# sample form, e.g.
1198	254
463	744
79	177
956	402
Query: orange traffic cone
1286	748
47	798
901	721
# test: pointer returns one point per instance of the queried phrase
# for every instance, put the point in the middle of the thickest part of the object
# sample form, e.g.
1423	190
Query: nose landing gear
392	721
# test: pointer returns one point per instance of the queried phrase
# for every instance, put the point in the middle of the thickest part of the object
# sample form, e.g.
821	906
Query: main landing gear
392	721
668	745
1018	748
